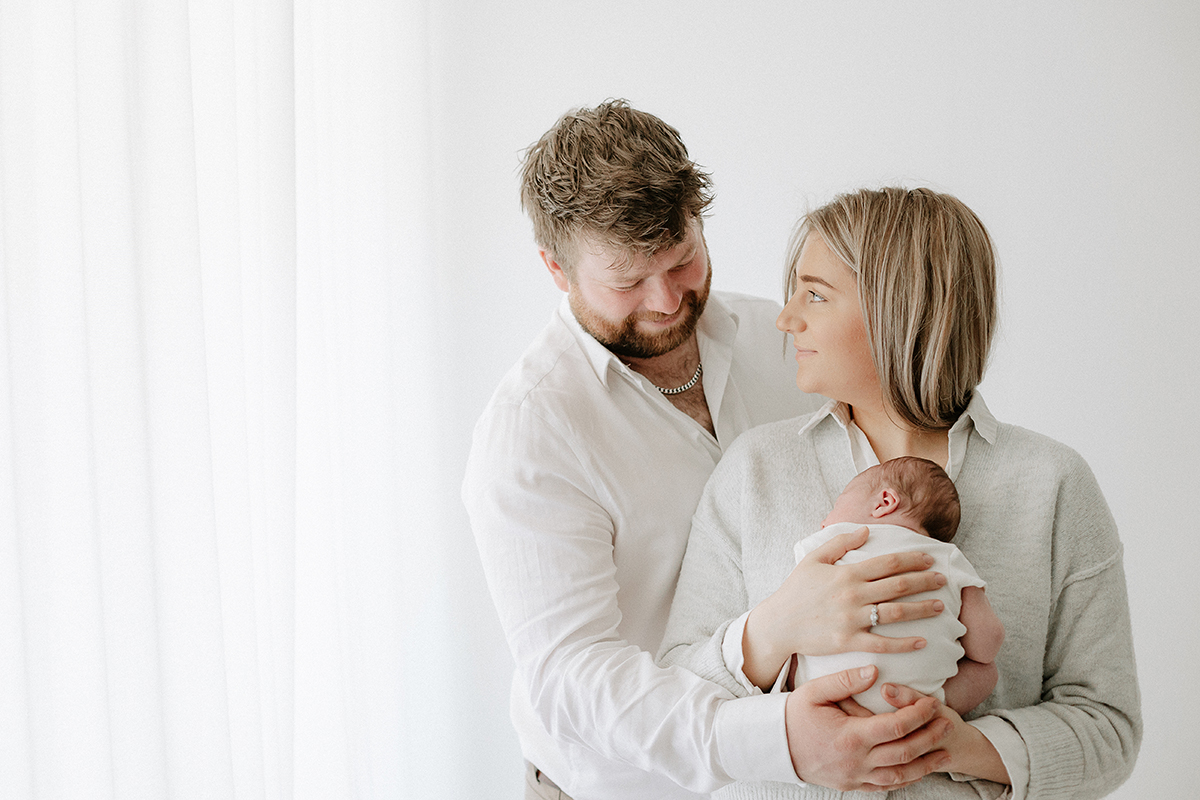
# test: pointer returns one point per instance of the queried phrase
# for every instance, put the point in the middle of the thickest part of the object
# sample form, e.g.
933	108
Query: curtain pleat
218	428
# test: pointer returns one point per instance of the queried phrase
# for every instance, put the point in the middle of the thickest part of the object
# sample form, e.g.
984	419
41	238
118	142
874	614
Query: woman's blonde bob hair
927	283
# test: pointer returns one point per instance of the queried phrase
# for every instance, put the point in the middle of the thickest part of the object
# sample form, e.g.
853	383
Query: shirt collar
598	356
976	417
832	408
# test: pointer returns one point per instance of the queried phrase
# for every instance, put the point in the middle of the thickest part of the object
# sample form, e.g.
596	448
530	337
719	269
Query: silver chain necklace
686	386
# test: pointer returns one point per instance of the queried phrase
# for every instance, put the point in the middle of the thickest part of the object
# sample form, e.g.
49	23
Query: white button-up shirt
581	485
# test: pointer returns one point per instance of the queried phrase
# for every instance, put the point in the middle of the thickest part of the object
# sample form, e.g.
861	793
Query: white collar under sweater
976	416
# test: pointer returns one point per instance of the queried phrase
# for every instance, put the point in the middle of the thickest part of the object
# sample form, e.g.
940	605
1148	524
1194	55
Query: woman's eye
816	298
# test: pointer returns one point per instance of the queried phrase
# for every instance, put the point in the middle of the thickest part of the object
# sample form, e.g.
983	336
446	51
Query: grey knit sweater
1037	529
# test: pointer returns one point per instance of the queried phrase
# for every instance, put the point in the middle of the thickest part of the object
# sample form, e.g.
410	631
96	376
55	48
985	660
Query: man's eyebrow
627	266
622	264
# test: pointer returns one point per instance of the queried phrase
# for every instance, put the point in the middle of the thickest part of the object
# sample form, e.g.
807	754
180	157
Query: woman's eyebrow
815	279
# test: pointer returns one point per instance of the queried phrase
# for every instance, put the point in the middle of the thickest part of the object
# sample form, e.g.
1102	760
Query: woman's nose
790	319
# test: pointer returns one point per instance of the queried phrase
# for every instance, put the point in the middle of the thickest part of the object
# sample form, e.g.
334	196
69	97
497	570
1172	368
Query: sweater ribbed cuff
1055	757
1011	749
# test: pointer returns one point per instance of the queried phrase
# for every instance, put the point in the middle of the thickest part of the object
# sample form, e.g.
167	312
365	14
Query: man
588	463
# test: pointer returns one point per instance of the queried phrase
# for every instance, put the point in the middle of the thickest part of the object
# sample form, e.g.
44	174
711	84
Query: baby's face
855	504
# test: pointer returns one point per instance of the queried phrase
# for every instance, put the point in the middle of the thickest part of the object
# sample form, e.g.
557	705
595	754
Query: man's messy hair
612	176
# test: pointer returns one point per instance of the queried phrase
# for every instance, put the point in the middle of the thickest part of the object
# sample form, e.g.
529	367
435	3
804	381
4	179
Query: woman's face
825	320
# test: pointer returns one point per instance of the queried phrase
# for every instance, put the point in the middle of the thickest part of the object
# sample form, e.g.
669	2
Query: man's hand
845	751
967	750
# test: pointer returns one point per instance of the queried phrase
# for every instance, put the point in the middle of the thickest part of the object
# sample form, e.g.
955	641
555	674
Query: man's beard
624	339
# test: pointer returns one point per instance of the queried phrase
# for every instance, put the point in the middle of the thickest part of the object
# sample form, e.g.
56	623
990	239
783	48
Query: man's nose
664	297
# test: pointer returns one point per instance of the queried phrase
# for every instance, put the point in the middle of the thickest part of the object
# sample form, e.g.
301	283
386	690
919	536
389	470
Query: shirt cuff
751	734
1011	747
731	653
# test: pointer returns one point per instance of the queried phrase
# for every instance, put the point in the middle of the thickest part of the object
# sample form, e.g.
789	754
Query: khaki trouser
539	787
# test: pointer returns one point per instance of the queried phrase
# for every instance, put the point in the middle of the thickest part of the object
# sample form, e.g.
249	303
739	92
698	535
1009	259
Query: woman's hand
971	753
824	608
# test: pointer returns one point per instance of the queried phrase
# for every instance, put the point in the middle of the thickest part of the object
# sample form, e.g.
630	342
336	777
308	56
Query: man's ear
886	502
556	270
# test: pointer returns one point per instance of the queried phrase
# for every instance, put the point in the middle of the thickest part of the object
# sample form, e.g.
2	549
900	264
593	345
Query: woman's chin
806	386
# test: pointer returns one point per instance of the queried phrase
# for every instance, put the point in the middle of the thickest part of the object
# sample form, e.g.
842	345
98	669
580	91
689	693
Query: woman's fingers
841	544
903	612
887	565
875	643
869	641
891	586
823	608
908	584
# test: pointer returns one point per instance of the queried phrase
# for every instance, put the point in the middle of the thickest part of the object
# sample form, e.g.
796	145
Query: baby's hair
929	491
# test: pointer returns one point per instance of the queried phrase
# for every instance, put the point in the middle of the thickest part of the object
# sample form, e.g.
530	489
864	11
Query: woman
892	309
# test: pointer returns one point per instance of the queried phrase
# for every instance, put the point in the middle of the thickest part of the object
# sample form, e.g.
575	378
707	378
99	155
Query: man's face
639	306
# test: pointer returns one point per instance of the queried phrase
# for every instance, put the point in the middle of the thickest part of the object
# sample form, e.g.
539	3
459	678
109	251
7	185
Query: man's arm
546	544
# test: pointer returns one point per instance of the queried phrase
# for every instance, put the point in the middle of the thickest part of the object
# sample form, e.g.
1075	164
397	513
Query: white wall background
1072	128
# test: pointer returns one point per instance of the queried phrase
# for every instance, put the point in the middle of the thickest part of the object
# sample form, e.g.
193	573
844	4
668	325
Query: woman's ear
886	502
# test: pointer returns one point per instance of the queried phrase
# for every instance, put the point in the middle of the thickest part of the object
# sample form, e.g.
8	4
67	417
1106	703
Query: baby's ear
886	502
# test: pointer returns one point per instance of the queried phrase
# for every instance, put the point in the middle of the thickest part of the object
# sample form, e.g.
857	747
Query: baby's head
913	492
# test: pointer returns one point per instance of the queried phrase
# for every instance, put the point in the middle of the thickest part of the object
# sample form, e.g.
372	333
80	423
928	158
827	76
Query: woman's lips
802	353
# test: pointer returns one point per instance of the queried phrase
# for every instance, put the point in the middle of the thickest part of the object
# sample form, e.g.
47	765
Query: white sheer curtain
216	397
